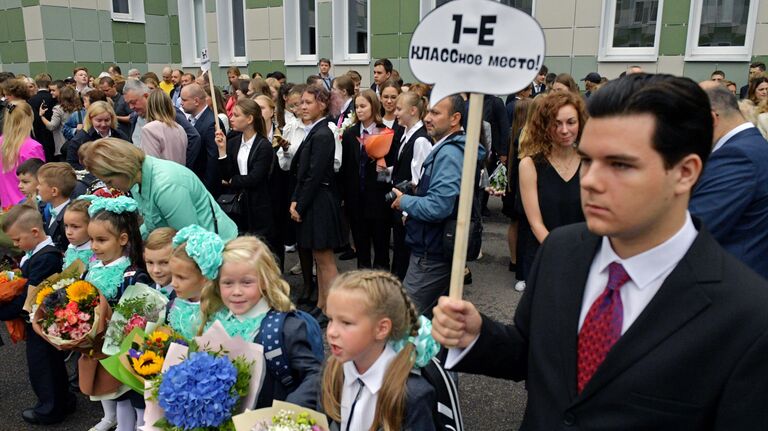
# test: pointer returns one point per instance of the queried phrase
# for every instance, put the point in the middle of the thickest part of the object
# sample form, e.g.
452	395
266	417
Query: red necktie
602	326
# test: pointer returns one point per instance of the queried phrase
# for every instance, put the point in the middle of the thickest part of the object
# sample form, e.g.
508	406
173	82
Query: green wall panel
256	4
158	53
36	67
173	7
59	50
384	8
30	2
3	26
107	53
174	30
15	23
673	39
175	53
10	4
405	44
409	15
119	31
122	53
581	66
275	3
87	51
105	26
138	53
155	7
700	71
385	45
158	30
676	11
56	22
210	5
324	20
85	24
136	33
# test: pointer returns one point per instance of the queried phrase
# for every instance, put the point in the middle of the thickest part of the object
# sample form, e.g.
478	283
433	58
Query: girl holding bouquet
76	220
376	338
116	244
248	294
195	262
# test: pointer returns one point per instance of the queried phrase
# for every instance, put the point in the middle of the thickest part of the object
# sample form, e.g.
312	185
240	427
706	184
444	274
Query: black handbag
230	203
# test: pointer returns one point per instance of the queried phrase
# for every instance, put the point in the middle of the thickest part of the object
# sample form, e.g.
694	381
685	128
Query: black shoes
33	418
348	255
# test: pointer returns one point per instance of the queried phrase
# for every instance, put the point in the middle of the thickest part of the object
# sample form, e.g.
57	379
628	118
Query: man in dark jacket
43	98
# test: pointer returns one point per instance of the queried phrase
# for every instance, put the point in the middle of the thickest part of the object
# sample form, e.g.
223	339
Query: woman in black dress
549	172
315	204
363	188
245	162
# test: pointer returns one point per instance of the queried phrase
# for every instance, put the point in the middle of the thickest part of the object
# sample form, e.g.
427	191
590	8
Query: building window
630	30
230	15
524	5
721	30
351	29
300	32
192	31
128	10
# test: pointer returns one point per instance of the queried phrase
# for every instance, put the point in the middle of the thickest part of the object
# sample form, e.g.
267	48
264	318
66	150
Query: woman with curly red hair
549	172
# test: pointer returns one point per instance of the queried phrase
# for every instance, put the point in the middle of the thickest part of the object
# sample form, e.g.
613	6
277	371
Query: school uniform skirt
320	227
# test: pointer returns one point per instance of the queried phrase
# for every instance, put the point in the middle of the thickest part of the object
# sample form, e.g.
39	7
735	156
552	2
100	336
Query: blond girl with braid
251	300
376	338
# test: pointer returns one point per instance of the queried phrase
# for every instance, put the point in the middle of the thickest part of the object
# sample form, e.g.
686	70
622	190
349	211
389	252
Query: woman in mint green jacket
168	193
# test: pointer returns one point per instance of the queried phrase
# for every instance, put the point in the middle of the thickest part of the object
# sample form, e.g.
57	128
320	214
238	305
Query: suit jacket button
569	419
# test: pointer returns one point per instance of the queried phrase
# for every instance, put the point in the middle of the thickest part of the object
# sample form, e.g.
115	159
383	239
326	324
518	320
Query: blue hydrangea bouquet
203	386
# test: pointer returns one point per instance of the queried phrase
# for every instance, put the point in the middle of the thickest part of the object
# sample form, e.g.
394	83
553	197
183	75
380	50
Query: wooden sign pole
213	102
468	186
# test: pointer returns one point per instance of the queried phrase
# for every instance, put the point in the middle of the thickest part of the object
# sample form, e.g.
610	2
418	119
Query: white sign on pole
476	46
205	62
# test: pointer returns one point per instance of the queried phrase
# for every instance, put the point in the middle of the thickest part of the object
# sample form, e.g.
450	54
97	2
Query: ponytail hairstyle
419	102
122	217
250	250
386	298
17	127
249	107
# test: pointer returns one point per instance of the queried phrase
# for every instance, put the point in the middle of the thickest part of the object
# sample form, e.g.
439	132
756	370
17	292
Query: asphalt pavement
487	403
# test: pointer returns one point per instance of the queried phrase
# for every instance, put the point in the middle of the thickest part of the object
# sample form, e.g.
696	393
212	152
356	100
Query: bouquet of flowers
281	416
377	146
54	282
12	284
338	130
203	385
140	307
66	313
141	356
498	180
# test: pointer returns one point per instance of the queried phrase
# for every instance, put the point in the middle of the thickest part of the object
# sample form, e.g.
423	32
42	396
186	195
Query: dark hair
753	84
384	62
29	166
718	72
4	76
96	95
373	100
344	82
59	84
108	80
277	75
390	83
152	75
758	64
312	79
679	106
355	75
567	80
321	95
128	223
543	70
458	104
17	88
250	107
324	60
243	85
550	78
43	80
115	68
70	100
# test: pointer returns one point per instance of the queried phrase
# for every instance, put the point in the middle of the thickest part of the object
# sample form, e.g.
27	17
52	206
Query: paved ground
487	404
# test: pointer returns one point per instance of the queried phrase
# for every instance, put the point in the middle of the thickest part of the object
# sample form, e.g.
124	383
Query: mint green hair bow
426	346
116	205
203	246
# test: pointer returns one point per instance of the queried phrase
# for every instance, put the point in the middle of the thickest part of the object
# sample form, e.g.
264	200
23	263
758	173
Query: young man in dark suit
638	319
47	373
43	98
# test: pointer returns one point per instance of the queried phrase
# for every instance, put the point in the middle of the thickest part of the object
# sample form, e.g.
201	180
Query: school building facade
684	37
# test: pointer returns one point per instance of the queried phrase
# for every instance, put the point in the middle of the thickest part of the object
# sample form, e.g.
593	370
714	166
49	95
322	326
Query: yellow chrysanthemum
80	291
148	364
42	294
158	337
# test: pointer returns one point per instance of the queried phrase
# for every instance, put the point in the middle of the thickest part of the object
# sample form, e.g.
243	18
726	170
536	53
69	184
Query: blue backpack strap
270	336
314	334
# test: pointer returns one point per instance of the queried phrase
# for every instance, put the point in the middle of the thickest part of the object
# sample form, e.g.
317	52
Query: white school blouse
365	408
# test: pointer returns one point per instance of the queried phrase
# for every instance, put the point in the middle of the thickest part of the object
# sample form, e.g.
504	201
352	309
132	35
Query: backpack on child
270	336
447	412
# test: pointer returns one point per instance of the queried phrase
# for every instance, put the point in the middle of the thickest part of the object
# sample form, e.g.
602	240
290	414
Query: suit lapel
569	297
679	300
256	142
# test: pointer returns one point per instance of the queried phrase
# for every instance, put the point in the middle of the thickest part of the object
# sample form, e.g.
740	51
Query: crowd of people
203	190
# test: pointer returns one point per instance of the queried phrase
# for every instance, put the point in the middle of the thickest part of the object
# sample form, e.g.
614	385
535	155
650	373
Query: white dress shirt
366	404
647	272
46	241
294	133
421	149
58	211
243	153
738	129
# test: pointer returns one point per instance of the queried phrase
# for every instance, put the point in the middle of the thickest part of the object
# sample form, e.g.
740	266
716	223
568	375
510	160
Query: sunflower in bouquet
67	313
148	353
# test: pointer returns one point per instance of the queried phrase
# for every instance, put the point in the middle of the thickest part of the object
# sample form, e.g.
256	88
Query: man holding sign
638	319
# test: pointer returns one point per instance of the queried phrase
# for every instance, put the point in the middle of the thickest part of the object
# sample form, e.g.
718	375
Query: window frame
292	31
341	54
135	12
427	6
606	51
190	58
694	52
226	34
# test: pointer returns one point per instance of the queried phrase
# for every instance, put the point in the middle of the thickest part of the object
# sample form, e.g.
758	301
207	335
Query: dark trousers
401	254
48	376
371	231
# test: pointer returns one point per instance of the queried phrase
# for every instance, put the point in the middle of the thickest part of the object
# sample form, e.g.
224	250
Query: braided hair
385	297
